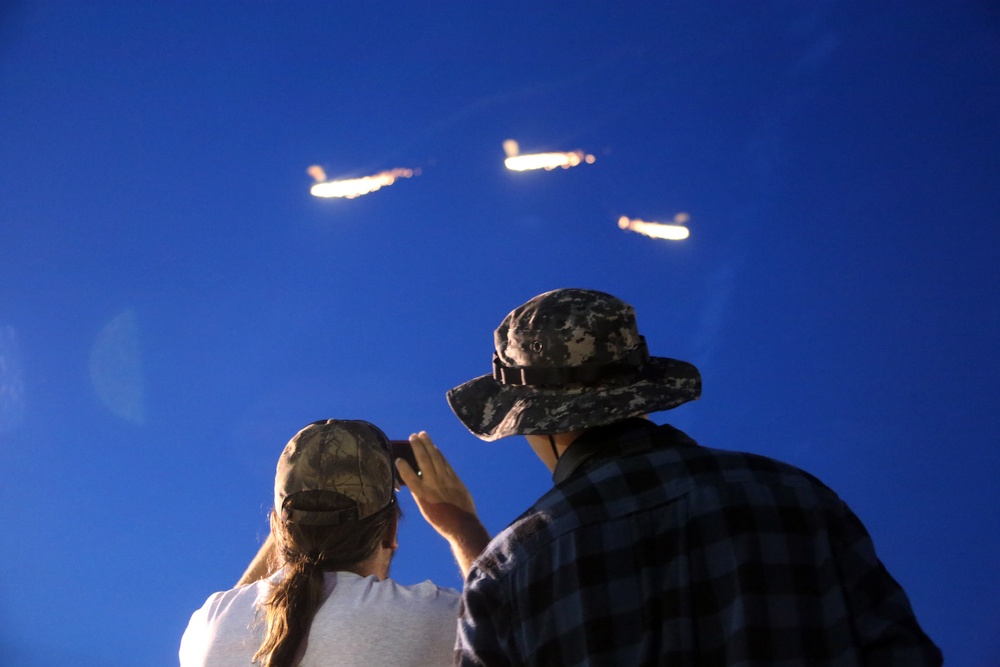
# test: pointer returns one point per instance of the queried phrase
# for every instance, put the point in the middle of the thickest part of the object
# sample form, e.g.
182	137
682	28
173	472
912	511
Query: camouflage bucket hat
348	460
570	359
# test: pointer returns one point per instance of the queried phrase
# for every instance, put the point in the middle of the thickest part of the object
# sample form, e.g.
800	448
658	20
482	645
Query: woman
333	535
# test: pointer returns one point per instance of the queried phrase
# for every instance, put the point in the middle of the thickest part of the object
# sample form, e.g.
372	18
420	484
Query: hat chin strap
555	452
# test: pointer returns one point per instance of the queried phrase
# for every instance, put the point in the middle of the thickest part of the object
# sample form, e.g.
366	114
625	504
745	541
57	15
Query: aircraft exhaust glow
658	230
548	161
350	188
317	173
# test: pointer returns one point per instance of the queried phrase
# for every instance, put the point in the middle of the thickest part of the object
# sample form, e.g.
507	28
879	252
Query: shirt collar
593	441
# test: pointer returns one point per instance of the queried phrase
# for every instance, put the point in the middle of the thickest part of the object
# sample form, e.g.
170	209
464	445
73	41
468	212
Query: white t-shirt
363	621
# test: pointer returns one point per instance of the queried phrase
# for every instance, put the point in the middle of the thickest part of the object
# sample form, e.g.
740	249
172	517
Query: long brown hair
306	552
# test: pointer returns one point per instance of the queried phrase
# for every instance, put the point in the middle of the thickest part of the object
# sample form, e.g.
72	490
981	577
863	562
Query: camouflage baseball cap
348	460
570	359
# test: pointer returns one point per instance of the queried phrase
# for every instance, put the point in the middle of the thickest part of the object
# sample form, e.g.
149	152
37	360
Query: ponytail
306	553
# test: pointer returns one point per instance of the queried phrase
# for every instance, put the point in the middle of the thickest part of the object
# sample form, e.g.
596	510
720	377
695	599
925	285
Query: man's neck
594	442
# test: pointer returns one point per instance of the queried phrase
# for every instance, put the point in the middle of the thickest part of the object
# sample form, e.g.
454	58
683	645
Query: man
651	549
333	535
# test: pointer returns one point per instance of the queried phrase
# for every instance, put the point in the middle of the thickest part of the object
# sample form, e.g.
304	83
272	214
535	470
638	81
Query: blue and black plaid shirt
656	551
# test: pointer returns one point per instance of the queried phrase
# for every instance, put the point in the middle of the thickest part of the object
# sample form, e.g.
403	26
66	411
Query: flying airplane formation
350	188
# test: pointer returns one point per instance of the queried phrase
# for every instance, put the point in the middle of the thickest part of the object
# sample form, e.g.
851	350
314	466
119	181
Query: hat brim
491	410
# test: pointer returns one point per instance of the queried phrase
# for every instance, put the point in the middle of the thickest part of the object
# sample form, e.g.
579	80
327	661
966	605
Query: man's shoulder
626	484
727	463
511	545
698	460
639	445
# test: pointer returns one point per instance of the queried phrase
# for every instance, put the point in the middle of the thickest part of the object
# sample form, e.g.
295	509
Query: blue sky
174	305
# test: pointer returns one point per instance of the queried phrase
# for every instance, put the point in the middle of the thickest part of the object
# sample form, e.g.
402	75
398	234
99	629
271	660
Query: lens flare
355	187
658	230
548	161
116	367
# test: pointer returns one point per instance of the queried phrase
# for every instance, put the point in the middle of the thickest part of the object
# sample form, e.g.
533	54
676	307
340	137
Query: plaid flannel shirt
657	551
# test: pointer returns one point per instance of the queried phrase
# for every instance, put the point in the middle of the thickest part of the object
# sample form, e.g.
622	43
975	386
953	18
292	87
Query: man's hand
444	500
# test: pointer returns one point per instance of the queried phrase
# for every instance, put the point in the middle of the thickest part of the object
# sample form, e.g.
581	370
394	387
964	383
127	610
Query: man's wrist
470	533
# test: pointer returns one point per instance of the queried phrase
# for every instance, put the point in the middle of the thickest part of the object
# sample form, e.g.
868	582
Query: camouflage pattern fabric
570	333
350	458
